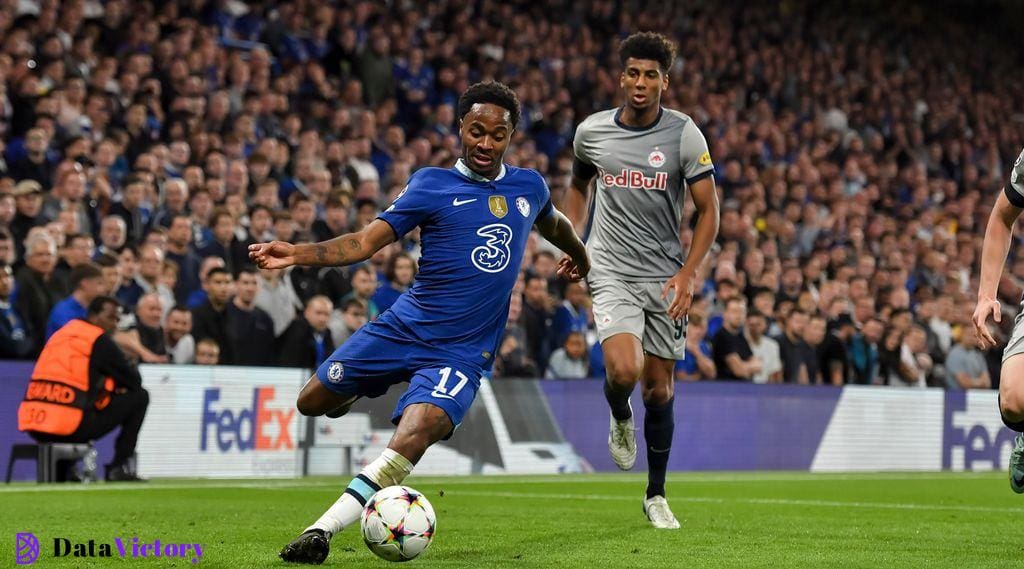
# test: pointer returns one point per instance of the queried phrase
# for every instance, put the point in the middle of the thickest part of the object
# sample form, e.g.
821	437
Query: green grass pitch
965	520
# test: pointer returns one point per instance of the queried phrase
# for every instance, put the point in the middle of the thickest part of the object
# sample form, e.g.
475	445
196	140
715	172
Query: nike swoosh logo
457	202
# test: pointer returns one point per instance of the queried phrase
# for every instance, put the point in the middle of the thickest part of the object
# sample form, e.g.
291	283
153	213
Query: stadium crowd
145	145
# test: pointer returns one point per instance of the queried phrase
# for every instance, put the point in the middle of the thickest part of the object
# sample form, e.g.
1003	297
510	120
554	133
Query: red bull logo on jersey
258	427
635	180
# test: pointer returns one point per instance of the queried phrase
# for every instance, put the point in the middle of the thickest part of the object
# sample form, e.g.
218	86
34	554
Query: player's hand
273	255
682	284
573	271
984	309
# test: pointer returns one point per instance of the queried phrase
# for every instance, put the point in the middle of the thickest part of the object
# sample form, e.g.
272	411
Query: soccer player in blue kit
441	335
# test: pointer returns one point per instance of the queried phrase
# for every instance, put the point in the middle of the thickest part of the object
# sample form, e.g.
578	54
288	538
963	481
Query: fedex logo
257	428
974	437
635	180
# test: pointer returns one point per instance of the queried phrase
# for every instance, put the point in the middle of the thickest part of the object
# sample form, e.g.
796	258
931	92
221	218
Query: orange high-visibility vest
59	391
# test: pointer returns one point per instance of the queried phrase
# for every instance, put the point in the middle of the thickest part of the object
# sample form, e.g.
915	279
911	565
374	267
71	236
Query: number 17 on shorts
450	388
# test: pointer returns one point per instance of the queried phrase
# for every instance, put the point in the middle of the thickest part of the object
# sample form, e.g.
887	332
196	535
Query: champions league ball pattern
398	523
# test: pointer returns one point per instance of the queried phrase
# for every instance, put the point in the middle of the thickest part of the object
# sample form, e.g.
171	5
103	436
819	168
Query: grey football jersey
635	213
1015	189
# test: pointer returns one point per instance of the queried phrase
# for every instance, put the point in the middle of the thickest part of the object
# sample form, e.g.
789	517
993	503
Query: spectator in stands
37	291
814	336
78	249
307	342
86	284
199	296
207	352
799	362
364	286
697	363
400	273
129	209
179	250
865	352
175	203
569	361
965	364
129	291
729	348
277	297
512	359
113	233
225	244
538	320
346	319
151	259
148	314
764	348
250	329
833	357
335	219
28	199
210	319
573	314
178	340
15	337
36	165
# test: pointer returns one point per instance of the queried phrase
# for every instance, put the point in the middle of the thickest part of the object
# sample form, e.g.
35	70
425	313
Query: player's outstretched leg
1011	408
421	426
659	424
623	358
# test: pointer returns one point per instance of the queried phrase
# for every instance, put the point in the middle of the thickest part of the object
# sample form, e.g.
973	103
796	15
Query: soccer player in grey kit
643	157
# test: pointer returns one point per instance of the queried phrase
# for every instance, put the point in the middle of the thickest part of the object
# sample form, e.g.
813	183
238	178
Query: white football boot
622	441
659	514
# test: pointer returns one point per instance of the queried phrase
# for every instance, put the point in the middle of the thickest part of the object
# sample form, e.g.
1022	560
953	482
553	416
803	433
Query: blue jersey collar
465	171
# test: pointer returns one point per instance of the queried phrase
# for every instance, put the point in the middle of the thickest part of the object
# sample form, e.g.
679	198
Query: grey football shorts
1016	343
637	308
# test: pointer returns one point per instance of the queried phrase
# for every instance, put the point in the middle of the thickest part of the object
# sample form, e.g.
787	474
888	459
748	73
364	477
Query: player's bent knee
1011	403
657	395
625	374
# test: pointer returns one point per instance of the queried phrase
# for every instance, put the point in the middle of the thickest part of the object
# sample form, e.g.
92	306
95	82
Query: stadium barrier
241	422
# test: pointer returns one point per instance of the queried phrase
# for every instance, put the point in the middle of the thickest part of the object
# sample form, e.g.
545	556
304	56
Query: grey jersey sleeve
694	157
1015	186
579	144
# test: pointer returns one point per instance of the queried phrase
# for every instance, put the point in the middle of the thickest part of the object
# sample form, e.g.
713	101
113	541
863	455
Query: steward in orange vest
83	387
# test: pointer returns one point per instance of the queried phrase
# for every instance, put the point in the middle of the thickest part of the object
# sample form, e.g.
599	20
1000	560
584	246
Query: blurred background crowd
144	145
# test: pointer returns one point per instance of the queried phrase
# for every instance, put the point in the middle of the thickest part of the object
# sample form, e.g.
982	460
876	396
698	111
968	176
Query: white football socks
389	469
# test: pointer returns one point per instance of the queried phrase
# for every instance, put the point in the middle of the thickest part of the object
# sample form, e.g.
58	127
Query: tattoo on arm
321	253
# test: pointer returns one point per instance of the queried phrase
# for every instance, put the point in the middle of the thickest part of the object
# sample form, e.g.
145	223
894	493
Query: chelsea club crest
335	372
523	205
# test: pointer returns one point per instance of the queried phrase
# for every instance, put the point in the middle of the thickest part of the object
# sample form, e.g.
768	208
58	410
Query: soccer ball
398	523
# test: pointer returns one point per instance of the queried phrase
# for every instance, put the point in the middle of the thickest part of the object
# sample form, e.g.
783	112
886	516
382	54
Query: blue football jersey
473	234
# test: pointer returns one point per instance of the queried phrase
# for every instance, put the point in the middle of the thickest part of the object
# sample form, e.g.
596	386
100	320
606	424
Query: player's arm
998	234
705	198
342	250
574	203
557	229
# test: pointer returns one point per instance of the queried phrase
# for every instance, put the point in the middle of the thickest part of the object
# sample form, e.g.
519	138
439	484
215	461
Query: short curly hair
648	45
494	93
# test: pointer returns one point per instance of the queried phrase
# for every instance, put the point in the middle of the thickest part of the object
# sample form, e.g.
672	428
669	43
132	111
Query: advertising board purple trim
719	426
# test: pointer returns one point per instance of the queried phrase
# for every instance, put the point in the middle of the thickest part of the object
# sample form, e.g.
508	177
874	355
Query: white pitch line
678	478
758	501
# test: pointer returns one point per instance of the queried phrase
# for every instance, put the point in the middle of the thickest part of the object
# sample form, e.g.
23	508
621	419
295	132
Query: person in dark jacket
15	339
307	341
